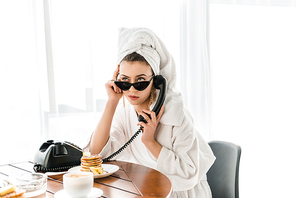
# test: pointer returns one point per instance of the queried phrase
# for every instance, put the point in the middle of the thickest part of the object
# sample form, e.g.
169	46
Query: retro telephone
159	82
57	156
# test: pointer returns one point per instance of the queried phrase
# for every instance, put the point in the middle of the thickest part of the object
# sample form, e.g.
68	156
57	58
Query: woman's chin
136	102
133	102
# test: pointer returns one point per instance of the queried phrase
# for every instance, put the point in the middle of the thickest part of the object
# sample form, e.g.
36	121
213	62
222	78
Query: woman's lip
132	97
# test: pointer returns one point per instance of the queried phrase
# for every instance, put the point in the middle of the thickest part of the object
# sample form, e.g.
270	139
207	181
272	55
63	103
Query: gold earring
123	101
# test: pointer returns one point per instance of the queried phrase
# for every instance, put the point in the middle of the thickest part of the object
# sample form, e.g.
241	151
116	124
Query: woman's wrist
113	101
154	148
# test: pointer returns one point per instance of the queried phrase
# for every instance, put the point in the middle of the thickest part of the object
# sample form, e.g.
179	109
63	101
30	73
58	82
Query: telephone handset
159	82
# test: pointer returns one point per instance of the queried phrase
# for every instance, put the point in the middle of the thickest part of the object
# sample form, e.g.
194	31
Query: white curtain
257	2
195	66
22	67
253	72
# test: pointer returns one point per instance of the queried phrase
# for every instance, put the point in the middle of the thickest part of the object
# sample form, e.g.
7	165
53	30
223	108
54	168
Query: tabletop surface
131	180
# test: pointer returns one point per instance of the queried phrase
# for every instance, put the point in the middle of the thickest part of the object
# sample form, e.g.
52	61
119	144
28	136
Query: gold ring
112	80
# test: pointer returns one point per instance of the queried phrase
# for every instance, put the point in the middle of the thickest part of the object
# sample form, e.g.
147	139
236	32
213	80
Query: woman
169	142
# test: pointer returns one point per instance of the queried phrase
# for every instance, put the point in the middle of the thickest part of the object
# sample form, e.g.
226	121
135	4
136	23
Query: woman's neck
140	108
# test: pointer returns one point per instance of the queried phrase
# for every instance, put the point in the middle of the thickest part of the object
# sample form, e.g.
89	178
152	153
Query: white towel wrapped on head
144	42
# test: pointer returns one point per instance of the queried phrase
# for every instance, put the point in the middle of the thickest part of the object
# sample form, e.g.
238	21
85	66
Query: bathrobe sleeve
188	159
117	135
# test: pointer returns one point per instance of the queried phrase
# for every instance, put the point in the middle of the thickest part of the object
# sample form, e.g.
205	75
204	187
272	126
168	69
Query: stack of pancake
89	162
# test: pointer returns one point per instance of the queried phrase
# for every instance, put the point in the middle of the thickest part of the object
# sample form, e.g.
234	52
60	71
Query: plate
95	192
109	169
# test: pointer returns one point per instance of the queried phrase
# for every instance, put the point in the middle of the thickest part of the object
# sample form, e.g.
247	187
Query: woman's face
136	72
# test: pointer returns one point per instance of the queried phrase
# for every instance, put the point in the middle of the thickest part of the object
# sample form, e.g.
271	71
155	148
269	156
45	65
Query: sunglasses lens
140	86
123	85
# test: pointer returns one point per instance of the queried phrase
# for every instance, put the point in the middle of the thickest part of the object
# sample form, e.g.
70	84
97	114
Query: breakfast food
91	163
11	191
97	171
7	189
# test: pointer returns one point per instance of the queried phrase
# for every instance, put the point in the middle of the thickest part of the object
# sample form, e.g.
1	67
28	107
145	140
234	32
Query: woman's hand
149	131
114	93
150	127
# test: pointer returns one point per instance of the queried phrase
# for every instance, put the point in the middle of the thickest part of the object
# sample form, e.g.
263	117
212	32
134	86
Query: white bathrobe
185	157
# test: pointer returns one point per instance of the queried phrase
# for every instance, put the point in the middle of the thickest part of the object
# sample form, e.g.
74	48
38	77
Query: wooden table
131	180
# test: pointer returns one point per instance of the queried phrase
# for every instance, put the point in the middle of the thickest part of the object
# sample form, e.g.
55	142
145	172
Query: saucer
95	192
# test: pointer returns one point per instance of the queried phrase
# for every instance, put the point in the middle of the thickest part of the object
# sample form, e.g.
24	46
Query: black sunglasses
140	86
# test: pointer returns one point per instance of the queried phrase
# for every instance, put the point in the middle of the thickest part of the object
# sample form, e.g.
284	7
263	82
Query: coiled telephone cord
124	146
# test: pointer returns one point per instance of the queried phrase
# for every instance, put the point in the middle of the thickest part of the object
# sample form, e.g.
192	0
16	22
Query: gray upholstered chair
223	176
